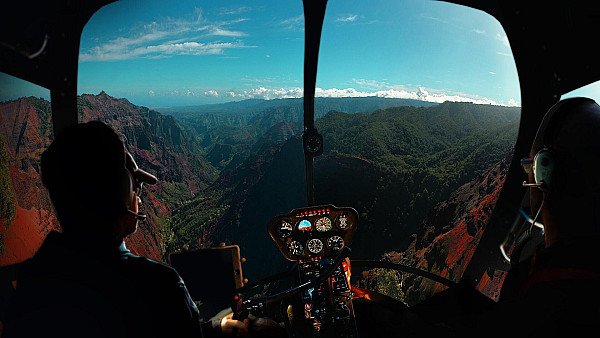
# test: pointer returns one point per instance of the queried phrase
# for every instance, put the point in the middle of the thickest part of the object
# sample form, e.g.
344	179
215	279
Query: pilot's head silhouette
93	182
565	158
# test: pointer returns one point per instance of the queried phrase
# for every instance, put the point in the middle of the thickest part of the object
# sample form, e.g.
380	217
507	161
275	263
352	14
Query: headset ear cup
544	169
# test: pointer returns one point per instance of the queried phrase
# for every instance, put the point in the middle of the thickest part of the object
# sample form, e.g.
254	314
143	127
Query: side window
26	213
419	109
592	91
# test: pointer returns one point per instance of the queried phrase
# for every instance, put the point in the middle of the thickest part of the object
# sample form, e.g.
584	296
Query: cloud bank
270	93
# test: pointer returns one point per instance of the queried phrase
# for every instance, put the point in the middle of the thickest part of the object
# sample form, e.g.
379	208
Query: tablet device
211	276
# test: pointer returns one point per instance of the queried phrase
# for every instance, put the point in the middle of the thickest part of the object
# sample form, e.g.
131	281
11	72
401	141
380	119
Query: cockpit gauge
315	245
323	224
295	248
285	229
304	225
343	222
336	243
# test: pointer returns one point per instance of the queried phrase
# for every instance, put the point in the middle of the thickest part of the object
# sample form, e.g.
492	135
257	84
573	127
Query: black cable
404	268
525	237
313	283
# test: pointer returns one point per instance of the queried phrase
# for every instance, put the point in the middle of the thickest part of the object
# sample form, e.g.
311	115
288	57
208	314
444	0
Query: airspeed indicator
323	224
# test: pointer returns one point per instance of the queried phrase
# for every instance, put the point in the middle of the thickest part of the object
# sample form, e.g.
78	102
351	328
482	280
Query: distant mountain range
414	170
323	105
254	117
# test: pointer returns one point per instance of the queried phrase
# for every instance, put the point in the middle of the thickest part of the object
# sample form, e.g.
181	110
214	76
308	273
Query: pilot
83	281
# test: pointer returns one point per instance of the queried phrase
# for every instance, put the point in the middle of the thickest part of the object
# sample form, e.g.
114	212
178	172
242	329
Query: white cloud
347	18
435	18
218	31
162	50
158	39
503	38
421	94
293	23
234	10
492	73
265	93
504	54
151	93
479	31
513	103
211	93
268	56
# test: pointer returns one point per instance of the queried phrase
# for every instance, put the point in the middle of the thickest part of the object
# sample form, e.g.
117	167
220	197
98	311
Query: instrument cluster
313	232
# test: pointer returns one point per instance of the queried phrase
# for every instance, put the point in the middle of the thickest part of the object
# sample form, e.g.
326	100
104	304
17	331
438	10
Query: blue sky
181	52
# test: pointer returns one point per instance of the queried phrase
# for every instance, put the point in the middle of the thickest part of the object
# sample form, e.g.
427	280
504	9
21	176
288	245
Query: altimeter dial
315	245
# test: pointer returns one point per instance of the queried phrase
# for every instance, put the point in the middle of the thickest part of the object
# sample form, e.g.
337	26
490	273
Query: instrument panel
312	232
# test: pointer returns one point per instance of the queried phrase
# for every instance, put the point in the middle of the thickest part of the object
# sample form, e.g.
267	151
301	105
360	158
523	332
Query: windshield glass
418	103
419	114
206	96
26	213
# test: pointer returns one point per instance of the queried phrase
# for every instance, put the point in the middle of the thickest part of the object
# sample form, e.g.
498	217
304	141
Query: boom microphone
533	185
139	216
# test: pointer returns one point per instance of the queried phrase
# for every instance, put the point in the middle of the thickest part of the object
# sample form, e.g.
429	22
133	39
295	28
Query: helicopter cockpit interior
352	156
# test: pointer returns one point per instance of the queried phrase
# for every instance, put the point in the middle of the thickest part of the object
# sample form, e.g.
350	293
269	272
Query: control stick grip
240	312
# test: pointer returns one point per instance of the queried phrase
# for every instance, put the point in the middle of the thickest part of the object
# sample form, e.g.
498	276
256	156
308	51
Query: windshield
422	139
418	103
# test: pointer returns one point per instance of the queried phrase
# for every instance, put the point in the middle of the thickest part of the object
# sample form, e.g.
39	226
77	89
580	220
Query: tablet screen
210	276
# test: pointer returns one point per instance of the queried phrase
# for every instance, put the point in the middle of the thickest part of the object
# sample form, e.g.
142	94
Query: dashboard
313	232
314	236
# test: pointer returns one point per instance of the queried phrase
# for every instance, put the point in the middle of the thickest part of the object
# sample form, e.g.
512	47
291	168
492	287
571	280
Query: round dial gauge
295	248
323	224
304	225
315	245
285	229
335	242
343	222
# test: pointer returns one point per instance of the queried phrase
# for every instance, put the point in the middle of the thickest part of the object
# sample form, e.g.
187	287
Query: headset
543	170
547	172
132	186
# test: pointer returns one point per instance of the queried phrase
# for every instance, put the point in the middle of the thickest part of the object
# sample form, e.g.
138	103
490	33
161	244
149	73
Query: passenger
556	292
83	282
